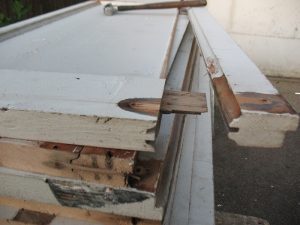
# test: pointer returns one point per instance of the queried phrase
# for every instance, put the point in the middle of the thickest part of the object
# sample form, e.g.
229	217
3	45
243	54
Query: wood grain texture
254	111
183	102
92	168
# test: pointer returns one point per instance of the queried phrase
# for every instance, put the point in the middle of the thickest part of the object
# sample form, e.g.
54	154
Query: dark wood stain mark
33	217
107	120
264	102
146	174
108	160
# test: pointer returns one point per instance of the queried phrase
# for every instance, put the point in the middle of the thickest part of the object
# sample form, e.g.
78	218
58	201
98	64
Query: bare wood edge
74	213
153	107
242	110
136	137
36	22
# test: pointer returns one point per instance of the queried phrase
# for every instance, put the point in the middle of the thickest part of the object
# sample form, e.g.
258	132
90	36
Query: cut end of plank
255	119
181	102
264	102
143	106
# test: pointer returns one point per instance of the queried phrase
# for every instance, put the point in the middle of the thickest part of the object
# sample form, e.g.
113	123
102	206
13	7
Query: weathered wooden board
95	165
181	102
255	112
139	199
57	107
62	82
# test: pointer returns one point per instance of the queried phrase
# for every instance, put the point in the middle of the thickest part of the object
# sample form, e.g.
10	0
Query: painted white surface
131	44
75	94
32	23
229	60
193	200
268	31
61	82
181	27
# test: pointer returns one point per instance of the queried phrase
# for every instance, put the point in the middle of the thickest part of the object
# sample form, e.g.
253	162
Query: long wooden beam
256	114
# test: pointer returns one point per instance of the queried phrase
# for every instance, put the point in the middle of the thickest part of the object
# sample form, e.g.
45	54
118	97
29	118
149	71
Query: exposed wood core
253	109
182	102
264	102
227	100
141	105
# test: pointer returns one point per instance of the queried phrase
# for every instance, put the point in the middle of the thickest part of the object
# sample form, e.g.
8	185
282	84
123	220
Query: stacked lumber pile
105	118
97	134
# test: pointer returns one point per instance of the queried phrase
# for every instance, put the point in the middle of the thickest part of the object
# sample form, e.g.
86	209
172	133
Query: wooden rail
256	114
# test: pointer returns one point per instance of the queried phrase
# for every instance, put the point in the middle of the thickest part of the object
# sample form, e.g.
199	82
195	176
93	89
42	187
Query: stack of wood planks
106	119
